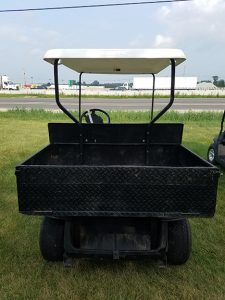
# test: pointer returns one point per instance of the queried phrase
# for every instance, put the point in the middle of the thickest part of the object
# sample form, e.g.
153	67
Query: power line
90	6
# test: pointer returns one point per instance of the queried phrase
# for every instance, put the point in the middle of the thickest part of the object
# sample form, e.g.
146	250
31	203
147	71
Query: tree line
218	82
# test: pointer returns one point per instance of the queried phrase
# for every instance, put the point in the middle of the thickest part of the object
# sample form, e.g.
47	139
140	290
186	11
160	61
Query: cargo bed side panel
117	190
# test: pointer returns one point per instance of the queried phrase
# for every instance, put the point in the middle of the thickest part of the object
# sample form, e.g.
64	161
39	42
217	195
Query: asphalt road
180	104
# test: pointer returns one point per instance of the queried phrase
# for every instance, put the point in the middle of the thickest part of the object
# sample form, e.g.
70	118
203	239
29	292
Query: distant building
206	86
164	83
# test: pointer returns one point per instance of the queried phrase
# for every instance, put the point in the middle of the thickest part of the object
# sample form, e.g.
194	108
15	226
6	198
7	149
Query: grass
121	96
24	274
116	116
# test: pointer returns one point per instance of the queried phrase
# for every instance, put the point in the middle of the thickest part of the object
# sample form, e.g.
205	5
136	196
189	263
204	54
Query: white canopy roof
116	61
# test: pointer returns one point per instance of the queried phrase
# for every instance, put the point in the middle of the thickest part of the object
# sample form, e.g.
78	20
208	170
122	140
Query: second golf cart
216	151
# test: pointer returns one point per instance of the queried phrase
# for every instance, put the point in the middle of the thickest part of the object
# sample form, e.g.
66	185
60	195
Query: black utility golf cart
216	151
116	190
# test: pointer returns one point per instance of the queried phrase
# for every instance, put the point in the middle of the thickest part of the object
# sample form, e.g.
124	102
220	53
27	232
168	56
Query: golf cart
116	190
216	151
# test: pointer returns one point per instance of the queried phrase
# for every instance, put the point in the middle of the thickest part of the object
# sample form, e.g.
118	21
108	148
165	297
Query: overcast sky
197	27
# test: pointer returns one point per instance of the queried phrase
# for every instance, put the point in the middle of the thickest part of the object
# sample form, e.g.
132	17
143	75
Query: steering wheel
92	118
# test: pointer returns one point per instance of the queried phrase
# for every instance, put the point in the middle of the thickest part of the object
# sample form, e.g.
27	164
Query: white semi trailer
6	84
163	83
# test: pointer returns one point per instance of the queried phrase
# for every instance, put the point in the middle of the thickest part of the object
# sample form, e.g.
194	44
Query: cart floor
121	155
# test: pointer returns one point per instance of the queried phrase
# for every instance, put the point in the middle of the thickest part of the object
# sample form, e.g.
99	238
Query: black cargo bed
117	174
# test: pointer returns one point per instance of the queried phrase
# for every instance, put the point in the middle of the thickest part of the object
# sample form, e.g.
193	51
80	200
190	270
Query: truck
6	84
117	190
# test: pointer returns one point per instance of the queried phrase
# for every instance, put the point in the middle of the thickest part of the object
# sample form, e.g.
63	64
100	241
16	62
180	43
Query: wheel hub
211	154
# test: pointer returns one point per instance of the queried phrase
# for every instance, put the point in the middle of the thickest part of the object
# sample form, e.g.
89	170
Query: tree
95	82
204	81
220	83
215	79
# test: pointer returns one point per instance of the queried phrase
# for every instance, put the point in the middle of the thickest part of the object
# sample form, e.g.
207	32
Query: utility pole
24	77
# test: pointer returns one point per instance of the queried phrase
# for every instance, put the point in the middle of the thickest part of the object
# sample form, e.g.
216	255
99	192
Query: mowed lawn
25	275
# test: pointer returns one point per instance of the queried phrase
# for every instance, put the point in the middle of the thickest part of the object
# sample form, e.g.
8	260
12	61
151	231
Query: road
180	104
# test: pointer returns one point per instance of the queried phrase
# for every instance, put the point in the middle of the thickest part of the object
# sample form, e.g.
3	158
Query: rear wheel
211	155
179	242
51	239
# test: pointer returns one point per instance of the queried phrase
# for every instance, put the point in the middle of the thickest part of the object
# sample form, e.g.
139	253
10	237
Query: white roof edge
114	53
116	61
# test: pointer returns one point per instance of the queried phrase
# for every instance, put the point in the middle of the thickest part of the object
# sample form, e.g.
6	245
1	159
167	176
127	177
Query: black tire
51	239
211	154
179	242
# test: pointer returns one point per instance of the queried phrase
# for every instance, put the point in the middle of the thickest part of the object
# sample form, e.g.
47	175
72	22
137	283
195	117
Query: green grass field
24	274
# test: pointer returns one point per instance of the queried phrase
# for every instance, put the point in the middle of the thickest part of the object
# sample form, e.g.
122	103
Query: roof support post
172	92
153	95
80	97
222	121
162	112
56	81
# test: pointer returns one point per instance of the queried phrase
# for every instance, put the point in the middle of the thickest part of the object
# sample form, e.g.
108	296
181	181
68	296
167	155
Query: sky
197	27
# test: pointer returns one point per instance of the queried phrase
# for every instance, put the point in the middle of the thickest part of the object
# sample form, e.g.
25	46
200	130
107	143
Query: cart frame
77	182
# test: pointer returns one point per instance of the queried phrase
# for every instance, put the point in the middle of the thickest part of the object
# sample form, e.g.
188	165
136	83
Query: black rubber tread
179	242
51	239
212	146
